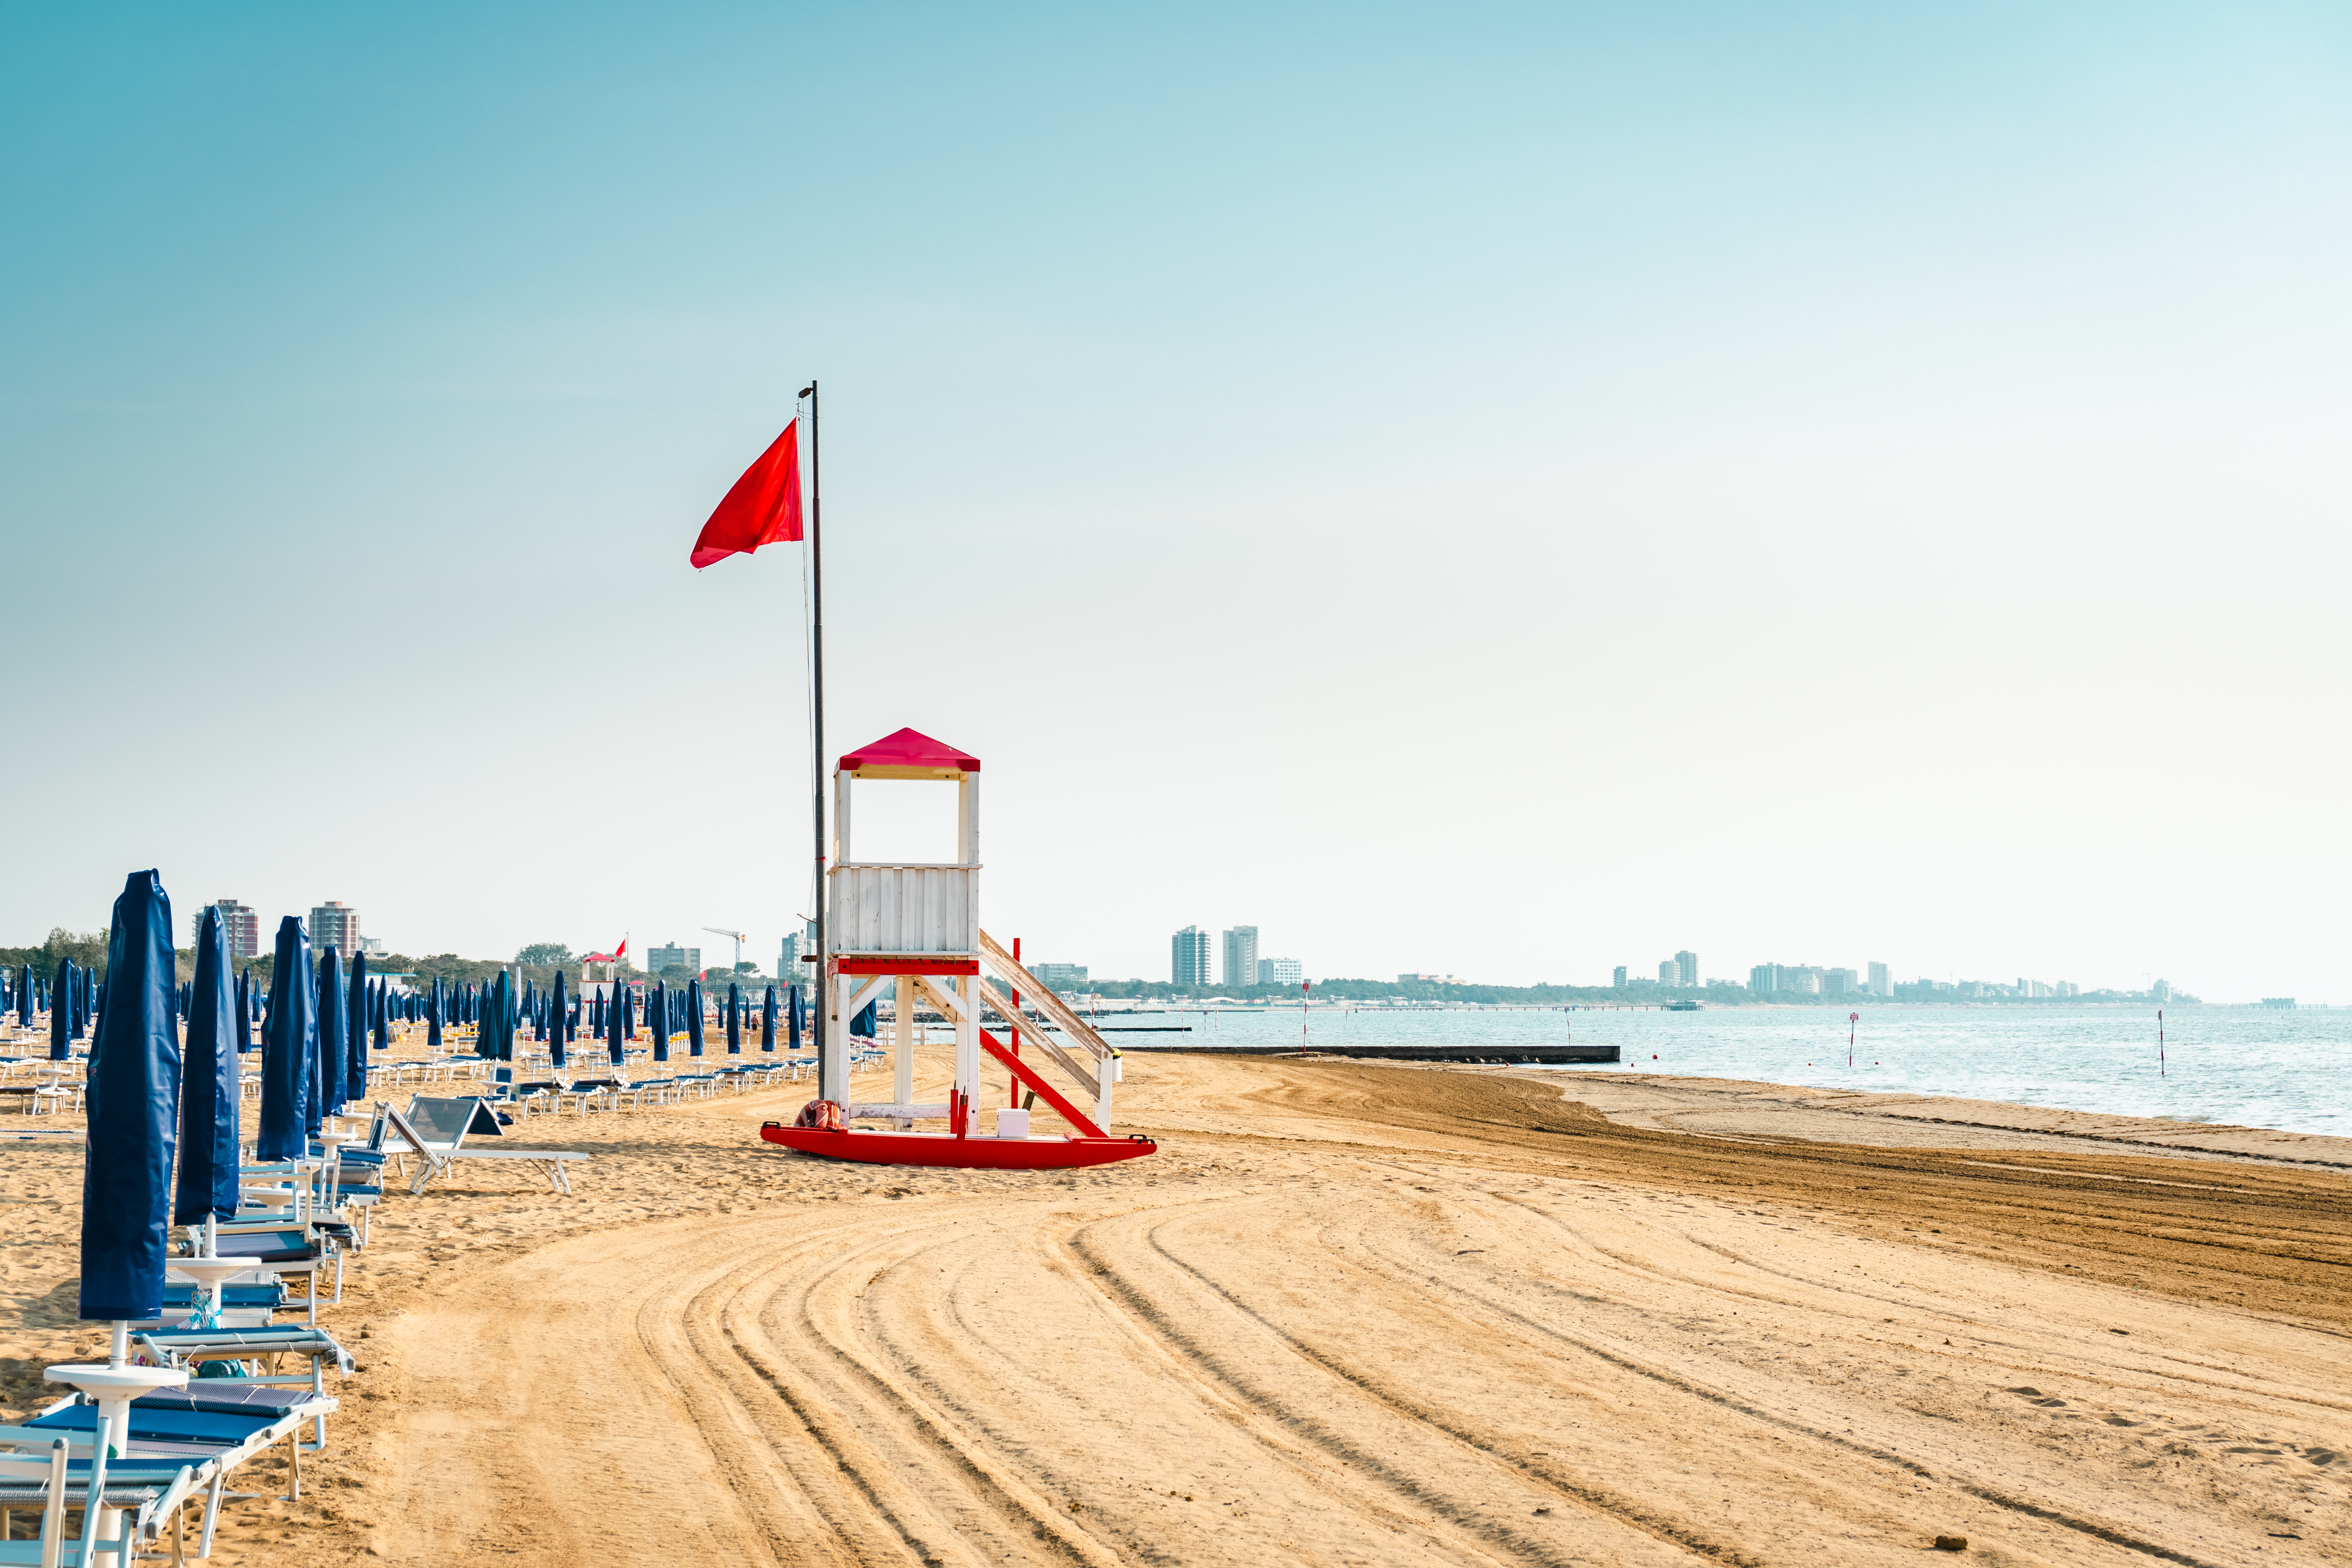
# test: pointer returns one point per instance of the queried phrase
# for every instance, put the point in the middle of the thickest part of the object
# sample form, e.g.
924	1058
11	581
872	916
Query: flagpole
825	1042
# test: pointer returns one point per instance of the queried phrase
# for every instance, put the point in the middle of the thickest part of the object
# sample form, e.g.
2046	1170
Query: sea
2256	1067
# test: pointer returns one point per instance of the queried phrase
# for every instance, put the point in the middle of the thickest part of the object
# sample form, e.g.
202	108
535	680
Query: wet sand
1348	1314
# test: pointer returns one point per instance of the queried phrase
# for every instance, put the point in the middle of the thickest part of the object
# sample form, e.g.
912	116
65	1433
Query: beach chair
245	1348
182	1444
438	1129
45	1483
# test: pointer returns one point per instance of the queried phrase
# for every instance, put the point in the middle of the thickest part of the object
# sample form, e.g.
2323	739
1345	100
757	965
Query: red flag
764	507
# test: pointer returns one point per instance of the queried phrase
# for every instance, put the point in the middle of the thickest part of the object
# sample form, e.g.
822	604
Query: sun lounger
437	1129
240	1346
281	1249
45	1484
181	1444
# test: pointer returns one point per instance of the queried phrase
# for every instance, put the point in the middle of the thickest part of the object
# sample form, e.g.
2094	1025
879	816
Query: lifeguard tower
914	930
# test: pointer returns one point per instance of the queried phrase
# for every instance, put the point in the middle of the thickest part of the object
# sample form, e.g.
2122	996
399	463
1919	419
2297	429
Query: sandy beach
1348	1314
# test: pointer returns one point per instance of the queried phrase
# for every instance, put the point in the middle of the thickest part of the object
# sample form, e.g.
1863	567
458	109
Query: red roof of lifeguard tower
909	754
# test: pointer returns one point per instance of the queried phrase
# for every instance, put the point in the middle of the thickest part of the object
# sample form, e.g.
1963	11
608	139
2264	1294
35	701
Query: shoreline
1728	1106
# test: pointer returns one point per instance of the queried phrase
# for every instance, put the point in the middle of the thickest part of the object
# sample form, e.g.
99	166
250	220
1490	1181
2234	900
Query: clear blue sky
1501	491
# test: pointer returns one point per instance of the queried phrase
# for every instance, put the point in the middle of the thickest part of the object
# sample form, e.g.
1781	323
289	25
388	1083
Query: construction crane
738	941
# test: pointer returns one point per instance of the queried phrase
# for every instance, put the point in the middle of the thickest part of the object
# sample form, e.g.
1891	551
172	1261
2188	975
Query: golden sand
1348	1314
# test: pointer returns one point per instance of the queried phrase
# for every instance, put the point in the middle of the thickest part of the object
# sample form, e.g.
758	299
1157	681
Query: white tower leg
836	1087
902	1043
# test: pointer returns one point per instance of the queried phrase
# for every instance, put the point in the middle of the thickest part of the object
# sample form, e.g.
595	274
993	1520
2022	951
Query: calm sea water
2253	1066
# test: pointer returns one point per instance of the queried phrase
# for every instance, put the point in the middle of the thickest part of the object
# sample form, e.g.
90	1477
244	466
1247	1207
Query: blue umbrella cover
135	1113
287	1048
334	1042
61	1034
555	1006
694	1018
208	1091
767	1021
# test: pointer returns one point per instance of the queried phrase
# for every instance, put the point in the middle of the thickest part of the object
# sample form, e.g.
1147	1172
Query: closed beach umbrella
384	1015
333	1038
432	1018
490	1017
767	1021
356	1037
734	1019
61	1012
24	998
208	1154
658	1019
792	1014
134	1114
694	1018
617	1035
555	1006
864	1024
244	1011
286	1050
355	1061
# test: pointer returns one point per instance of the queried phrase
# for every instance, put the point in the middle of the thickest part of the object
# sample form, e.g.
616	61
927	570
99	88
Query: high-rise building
1882	980
1670	972
1189	957
1617	977
1241	956
1686	968
1838	982
335	924
675	957
1059	976
244	928
788	957
1280	972
1764	979
2161	991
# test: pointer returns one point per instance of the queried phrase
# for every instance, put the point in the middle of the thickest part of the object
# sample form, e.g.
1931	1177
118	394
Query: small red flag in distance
764	507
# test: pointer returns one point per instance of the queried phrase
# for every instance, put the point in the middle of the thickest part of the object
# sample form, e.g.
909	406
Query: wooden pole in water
1303	986
2159	1043
1851	1020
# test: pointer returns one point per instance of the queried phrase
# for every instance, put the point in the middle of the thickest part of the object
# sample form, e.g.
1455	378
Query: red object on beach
966	1153
823	1115
764	507
909	754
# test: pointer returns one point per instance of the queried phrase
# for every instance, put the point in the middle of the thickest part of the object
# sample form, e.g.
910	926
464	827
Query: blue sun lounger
182	1444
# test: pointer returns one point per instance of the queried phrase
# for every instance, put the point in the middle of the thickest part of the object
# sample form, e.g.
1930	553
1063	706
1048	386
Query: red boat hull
968	1153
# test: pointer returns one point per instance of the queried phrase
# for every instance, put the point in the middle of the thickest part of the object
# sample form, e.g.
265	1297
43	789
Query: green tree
545	955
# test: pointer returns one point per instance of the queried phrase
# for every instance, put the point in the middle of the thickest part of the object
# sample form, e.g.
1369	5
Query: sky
1498	491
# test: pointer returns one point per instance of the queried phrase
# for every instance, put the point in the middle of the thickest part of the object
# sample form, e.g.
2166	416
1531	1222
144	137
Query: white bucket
1012	1124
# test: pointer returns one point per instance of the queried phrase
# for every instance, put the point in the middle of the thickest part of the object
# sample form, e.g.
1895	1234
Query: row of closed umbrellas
163	1115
